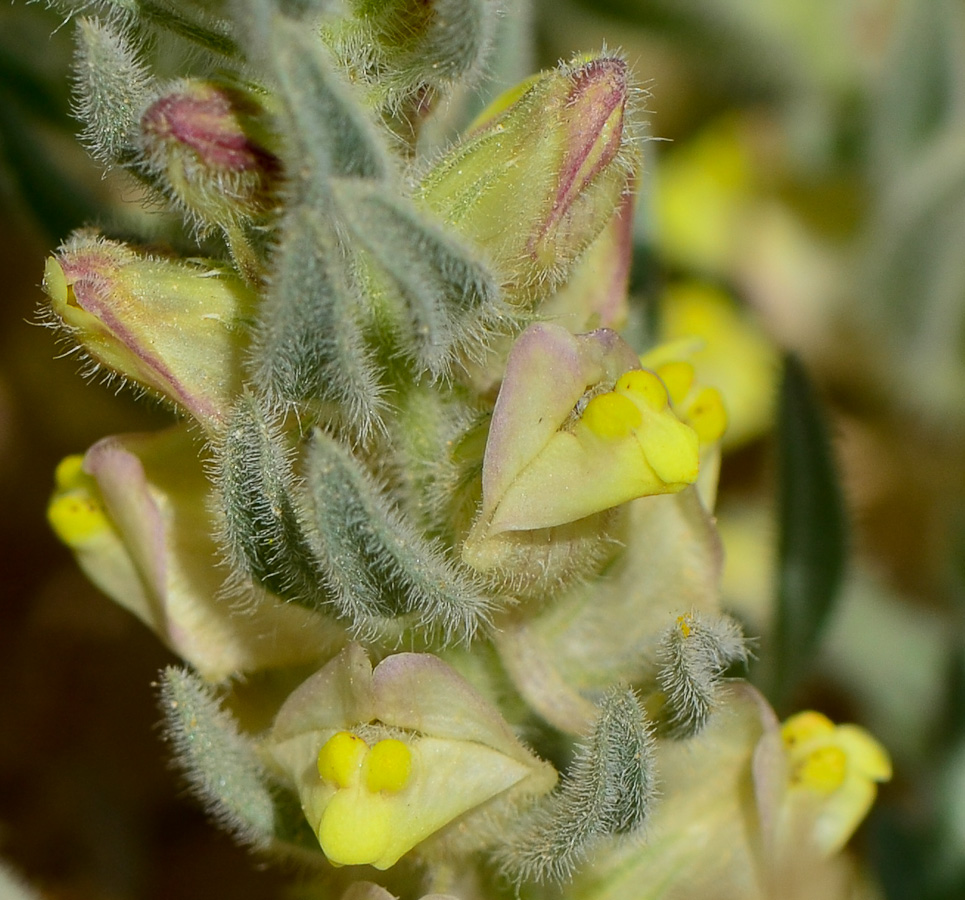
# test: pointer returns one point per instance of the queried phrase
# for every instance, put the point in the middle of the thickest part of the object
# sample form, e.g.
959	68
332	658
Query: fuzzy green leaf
111	88
607	791
308	343
223	768
377	566
450	298
329	132
262	529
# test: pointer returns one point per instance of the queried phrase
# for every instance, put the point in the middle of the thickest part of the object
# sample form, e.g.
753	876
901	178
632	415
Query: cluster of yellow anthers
833	769
356	825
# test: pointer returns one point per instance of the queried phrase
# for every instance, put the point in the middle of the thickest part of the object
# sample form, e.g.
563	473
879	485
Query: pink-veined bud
204	142
540	173
177	328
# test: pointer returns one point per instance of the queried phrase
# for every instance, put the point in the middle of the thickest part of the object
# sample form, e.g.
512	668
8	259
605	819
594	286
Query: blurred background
804	194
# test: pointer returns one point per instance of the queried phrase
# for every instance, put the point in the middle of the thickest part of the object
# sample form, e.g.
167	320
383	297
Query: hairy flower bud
203	142
176	328
540	173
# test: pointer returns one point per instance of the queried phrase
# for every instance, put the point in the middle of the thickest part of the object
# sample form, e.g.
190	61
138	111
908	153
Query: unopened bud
540	173
176	328
202	141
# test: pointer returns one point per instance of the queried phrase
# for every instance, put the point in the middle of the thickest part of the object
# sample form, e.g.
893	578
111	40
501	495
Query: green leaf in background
811	531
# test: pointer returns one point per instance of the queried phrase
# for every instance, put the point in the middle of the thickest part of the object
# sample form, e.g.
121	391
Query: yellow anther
684	623
805	726
341	757
678	376
707	416
644	386
822	770
388	766
612	415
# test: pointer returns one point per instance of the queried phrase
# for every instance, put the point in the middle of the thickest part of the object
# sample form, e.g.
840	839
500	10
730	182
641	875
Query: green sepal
450	301
383	575
607	791
693	655
224	770
262	527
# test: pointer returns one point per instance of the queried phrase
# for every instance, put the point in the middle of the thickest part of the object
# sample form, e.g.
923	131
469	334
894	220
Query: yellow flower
133	512
385	758
560	448
703	325
832	776
702	190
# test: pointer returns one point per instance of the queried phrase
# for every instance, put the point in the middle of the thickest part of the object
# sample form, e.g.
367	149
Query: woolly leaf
607	791
308	343
450	298
693	654
111	88
223	769
377	566
329	133
262	527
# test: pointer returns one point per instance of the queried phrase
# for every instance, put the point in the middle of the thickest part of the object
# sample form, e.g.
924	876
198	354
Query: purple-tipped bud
203	142
541	173
177	328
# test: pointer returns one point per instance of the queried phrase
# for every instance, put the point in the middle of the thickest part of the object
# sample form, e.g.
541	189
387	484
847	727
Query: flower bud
385	758
540	173
133	511
176	328
203	142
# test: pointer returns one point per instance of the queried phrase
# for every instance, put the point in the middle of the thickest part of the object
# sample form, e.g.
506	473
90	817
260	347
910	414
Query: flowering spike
263	529
607	791
378	567
111	87
693	654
